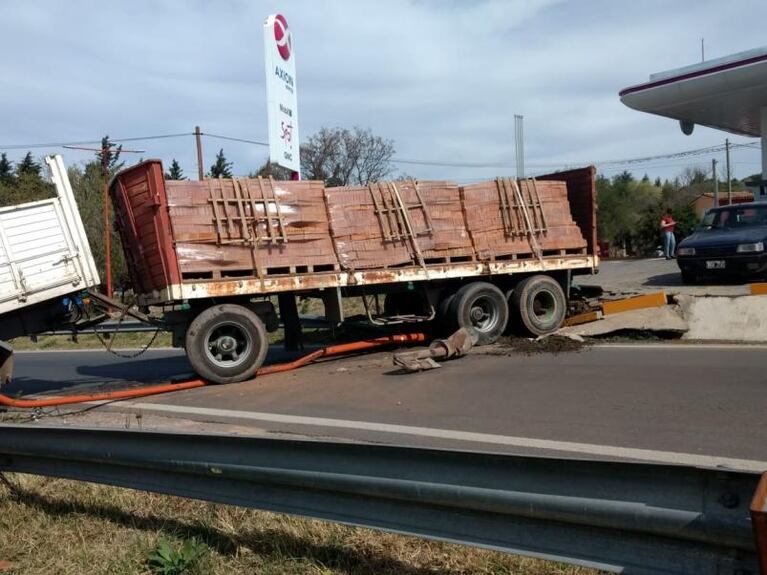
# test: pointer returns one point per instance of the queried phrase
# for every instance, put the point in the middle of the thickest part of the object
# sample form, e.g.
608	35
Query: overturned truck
45	261
214	253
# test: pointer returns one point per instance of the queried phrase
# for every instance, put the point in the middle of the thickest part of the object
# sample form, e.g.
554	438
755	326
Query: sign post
281	99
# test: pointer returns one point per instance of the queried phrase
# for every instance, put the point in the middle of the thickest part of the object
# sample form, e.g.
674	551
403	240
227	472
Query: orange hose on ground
104	396
329	351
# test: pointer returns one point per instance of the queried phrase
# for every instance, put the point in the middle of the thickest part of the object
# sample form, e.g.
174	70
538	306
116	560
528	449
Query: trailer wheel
541	304
226	343
481	308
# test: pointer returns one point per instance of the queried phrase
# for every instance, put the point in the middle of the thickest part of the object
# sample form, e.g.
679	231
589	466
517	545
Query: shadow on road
675	280
112	374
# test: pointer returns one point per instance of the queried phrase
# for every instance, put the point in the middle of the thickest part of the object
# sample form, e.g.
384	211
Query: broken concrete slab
667	318
725	318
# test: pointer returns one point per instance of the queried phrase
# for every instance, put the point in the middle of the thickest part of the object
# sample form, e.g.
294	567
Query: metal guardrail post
617	516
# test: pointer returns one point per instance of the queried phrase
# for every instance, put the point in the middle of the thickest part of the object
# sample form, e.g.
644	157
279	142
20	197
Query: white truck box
44	253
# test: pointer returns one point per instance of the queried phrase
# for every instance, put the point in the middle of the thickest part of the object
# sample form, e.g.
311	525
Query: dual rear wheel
537	305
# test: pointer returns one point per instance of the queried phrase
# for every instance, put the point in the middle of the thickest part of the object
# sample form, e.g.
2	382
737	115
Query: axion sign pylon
281	98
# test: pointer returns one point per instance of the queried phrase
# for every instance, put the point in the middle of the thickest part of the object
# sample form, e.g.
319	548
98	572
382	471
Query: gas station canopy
727	93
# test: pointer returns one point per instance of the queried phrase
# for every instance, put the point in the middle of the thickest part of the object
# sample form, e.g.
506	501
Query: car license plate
715	264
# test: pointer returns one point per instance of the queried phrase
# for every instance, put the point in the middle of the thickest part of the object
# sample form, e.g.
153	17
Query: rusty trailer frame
309	282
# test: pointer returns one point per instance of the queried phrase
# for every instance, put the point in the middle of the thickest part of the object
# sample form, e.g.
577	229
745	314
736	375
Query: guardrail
617	516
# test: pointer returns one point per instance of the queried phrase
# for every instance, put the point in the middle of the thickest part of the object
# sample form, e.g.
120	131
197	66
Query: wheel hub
227	345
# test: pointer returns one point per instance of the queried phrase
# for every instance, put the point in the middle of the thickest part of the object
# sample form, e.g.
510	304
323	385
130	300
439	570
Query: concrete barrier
724	318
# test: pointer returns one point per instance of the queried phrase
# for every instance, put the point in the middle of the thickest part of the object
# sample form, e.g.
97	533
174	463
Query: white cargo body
44	253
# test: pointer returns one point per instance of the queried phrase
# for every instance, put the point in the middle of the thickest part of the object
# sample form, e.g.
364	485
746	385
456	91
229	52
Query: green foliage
175	172
221	168
272	170
28	166
166	559
109	156
6	170
25	183
630	211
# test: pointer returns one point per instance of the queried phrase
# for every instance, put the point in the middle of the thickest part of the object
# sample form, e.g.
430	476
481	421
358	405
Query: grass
90	341
68	527
309	306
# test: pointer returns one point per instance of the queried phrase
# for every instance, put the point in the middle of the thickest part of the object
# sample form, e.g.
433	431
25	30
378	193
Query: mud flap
6	362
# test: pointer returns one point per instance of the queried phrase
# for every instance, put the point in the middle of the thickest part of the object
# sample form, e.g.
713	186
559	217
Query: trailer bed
244	237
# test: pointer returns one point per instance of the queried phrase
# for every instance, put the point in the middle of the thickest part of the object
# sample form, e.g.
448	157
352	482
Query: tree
6	170
272	170
342	157
28	166
175	172
109	156
221	168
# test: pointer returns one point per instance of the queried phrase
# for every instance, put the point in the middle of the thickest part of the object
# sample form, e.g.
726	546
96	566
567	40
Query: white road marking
590	449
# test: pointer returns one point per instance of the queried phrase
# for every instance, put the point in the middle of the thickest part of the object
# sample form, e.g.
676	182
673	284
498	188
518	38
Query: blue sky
443	80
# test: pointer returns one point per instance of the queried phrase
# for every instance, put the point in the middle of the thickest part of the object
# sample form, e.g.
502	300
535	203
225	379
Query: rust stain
759	288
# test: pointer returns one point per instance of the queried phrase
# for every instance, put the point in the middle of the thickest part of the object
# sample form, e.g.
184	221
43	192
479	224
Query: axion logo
282	36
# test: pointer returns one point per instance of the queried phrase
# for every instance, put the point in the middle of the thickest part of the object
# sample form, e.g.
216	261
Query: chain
126	355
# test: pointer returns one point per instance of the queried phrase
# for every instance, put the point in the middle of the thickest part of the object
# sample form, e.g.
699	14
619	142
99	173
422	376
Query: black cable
232	139
92	142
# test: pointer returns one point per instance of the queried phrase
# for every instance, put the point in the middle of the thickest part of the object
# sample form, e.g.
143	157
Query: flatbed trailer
487	257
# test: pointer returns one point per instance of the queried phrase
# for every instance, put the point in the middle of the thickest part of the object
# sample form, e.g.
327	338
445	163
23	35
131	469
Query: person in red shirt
667	225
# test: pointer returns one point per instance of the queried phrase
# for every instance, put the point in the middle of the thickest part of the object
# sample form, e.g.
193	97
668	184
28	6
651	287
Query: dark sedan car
729	241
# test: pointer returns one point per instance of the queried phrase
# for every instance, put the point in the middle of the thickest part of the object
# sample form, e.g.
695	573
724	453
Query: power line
233	139
90	142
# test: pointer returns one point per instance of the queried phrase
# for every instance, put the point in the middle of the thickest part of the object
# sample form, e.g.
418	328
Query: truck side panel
43	252
141	208
581	193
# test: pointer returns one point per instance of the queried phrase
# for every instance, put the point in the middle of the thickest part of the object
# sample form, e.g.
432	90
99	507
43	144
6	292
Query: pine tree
6	170
175	172
28	166
222	168
109	156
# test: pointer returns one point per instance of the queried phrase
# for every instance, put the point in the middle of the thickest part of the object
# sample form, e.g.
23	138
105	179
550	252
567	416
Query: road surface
648	402
654	274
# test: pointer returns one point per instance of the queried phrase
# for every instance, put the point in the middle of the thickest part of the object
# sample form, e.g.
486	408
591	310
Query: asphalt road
672	402
655	274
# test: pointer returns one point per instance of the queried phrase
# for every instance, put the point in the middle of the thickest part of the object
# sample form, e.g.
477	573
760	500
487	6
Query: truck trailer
214	255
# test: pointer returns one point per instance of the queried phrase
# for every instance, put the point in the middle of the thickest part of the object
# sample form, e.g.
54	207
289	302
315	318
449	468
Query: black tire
403	303
540	303
445	323
481	308
226	343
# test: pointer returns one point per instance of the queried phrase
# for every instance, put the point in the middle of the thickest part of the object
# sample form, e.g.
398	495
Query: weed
165	559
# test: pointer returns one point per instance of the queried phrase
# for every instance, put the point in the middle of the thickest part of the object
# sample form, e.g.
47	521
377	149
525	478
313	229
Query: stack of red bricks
397	223
220	225
499	235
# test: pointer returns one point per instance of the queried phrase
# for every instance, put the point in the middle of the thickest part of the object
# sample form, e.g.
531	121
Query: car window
736	218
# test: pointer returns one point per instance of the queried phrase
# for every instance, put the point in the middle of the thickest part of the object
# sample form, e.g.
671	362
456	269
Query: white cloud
442	79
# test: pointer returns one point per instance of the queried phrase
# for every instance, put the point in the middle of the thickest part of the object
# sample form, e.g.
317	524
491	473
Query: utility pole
200	169
702	51
520	145
716	183
729	176
105	155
